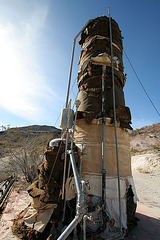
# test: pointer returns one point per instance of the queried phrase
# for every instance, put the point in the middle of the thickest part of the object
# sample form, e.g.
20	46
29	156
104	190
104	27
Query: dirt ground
148	227
17	201
146	174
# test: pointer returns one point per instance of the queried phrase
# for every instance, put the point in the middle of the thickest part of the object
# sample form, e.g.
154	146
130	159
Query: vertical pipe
65	164
70	73
66	148
103	137
70	227
80	167
64	177
74	128
115	127
81	209
84	226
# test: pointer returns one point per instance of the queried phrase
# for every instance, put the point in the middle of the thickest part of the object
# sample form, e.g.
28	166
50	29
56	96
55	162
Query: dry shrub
141	170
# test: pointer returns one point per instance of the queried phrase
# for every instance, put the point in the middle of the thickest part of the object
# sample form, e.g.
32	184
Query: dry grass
134	151
141	170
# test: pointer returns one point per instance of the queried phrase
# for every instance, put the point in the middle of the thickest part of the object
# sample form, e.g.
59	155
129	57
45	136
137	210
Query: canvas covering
92	134
112	202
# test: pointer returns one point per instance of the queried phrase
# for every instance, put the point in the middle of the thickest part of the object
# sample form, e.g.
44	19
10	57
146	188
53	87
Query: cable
73	84
58	117
141	84
75	99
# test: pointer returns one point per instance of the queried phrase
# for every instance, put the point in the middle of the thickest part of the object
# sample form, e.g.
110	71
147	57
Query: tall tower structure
96	63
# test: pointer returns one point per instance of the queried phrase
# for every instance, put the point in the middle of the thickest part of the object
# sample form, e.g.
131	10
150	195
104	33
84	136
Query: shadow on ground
148	228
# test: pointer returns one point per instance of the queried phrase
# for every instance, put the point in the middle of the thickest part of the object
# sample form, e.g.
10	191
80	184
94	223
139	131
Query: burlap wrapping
100	45
100	26
95	53
50	161
46	197
123	113
44	178
95	41
92	158
91	101
95	80
34	190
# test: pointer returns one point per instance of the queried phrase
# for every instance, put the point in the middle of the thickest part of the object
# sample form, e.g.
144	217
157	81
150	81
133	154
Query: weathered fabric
43	218
100	26
91	100
92	158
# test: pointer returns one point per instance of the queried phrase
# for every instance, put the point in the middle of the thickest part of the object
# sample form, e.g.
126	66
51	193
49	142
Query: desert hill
145	149
20	134
145	138
34	129
21	149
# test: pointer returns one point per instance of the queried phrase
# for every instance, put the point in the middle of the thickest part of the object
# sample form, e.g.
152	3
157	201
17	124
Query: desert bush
134	151
24	151
155	147
139	169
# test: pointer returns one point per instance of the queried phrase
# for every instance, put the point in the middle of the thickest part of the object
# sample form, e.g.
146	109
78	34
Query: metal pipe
103	148
70	227
74	128
80	201
66	148
84	226
65	164
75	173
115	127
82	144
80	167
103	131
64	178
64	207
70	72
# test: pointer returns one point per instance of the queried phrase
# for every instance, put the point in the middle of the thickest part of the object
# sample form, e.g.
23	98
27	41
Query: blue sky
36	39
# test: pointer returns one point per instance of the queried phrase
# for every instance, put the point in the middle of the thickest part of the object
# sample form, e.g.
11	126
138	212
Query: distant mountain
35	129
146	138
41	129
18	134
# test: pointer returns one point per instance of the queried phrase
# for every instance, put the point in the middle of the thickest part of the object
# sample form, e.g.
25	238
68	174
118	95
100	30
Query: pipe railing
81	207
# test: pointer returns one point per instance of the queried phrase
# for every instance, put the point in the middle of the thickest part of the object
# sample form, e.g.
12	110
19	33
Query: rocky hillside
20	136
146	138
34	129
28	132
21	149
